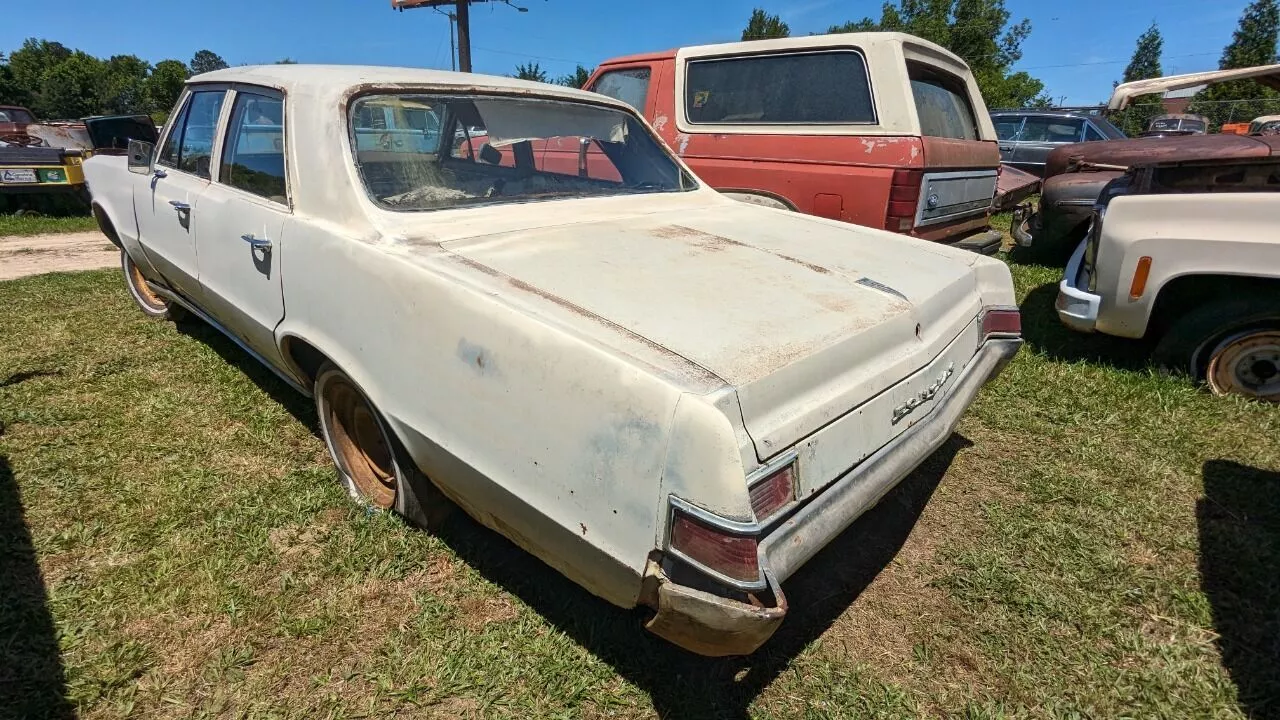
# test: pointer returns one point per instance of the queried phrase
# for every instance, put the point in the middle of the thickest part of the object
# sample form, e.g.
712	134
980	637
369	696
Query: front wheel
1232	346
372	465
145	296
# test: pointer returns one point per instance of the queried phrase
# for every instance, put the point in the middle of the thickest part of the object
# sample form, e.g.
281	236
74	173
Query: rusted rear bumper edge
712	625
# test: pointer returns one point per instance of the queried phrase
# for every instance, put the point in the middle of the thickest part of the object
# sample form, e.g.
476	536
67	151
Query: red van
880	129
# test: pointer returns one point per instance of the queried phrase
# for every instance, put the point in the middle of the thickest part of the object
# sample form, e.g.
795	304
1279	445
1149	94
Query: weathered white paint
561	367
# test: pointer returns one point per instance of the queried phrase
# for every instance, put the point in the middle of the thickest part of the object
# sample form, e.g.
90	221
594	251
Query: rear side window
1052	130
1091	134
821	88
253	156
942	102
631	86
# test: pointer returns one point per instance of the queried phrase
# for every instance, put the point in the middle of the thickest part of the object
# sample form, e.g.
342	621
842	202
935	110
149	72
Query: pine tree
979	31
1145	64
576	79
762	26
1254	43
206	61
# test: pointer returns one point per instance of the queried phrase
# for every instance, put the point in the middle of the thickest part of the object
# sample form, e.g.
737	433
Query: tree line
981	32
57	83
533	71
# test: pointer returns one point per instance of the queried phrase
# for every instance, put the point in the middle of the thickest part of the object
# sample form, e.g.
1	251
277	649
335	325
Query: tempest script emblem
923	396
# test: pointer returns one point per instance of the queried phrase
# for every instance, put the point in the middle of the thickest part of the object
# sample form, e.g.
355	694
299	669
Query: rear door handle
257	243
180	206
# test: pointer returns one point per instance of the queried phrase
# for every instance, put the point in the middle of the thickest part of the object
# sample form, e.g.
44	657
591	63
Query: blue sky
1077	48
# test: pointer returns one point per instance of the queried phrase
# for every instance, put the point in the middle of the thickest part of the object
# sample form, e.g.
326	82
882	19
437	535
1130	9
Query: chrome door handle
257	243
180	206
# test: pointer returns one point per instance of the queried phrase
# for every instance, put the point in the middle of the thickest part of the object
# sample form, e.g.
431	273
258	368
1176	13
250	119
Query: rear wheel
1233	346
372	465
147	299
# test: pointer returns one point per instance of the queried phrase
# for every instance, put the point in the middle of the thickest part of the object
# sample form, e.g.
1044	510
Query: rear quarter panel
535	430
1189	234
112	188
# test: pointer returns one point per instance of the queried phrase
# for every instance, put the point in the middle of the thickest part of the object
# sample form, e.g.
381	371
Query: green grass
1097	541
13	224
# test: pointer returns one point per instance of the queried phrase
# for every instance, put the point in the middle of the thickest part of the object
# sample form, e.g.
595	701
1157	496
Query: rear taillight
904	200
771	494
733	556
1006	322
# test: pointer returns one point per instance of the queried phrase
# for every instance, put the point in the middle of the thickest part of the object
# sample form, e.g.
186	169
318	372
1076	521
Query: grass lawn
11	224
1096	541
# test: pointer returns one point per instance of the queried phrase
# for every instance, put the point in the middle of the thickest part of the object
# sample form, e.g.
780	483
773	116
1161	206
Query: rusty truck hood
1148	151
805	319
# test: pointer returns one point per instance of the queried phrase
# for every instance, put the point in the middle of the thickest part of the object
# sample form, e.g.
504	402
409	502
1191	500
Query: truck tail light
904	199
1001	321
733	556
770	495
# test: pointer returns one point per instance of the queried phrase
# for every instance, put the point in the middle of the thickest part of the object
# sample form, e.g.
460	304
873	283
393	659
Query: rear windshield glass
821	88
942	102
429	152
15	115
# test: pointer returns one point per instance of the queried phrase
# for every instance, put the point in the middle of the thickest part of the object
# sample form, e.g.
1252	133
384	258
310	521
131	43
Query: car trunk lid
804	319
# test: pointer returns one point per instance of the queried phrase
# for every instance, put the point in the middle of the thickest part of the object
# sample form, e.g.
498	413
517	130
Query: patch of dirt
477	611
60	252
454	707
298	542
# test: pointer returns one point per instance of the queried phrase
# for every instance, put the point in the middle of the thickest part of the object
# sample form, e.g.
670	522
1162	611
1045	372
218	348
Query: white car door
167	204
243	215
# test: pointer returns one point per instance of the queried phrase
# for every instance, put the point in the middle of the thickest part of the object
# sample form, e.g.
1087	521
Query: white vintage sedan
515	295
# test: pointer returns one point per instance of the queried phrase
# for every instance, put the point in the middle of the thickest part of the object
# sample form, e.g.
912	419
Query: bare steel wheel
1247	363
147	299
373	466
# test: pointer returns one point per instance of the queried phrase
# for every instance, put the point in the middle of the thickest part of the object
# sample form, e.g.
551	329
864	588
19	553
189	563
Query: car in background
1184	252
1028	136
1265	125
673	398
1076	174
1177	125
884	130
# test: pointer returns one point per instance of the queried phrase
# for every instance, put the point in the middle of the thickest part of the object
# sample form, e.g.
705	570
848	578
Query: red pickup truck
880	129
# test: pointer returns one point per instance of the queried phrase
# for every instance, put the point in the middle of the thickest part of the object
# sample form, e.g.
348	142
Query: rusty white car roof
300	77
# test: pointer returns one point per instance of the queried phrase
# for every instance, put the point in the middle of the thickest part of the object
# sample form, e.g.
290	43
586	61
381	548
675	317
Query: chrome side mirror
140	153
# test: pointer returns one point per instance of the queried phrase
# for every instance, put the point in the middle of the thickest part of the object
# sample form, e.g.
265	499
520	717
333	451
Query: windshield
430	152
16	115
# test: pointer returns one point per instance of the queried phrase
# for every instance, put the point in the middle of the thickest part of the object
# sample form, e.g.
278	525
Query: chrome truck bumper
709	624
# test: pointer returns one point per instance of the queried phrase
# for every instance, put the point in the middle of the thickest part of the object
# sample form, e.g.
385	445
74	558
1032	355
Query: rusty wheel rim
1247	364
359	444
143	288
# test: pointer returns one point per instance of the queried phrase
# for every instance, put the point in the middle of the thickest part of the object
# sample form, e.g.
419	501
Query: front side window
196	148
631	86
1007	128
253	154
190	142
1052	130
942	103
818	88
1091	134
496	149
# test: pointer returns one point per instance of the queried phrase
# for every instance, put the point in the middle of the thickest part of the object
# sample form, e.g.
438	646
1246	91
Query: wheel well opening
1183	294
104	224
305	357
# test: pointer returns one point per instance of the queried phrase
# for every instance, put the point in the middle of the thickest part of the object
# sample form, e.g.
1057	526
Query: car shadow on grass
32	680
684	685
297	404
1239	519
1046	334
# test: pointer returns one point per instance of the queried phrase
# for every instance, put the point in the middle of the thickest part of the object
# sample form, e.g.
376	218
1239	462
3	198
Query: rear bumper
713	625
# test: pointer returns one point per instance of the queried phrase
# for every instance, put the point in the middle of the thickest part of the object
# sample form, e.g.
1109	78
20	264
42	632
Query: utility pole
462	15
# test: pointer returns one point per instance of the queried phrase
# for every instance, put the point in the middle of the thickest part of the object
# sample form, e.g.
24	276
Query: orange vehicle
880	129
